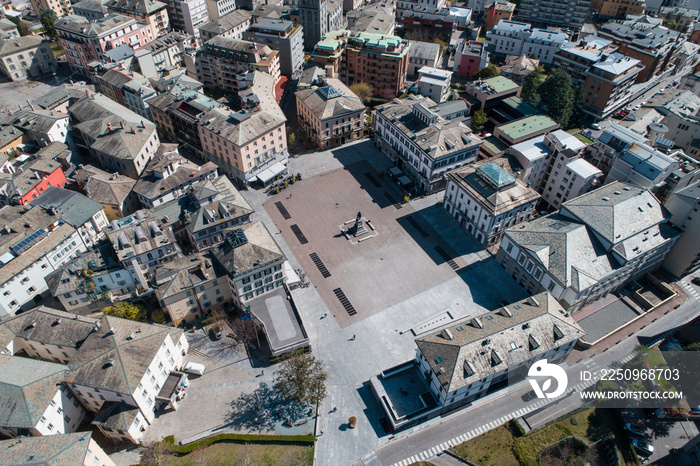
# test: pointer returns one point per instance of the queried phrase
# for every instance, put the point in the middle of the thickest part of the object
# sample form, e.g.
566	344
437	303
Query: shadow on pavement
372	410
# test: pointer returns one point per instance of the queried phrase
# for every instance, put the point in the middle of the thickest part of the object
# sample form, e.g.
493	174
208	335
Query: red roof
279	87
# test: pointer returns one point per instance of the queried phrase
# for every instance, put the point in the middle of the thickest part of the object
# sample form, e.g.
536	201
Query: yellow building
619	9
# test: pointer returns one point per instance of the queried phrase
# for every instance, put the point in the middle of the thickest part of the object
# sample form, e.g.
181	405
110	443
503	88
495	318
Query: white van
194	368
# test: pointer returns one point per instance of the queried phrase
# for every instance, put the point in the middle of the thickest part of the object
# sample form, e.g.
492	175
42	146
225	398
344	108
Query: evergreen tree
557	95
531	84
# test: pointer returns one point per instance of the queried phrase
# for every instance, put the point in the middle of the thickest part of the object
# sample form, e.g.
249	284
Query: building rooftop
519	65
498	84
168	171
493	184
565	249
140	7
18	44
181	274
246	248
681	102
532	149
437	140
70	206
115	356
215	202
618	64
101	27
283	326
424	50
139	234
583	168
27	386
240	127
472	349
226	22
523	127
46	326
49	450
617	211
647	161
331	100
105	188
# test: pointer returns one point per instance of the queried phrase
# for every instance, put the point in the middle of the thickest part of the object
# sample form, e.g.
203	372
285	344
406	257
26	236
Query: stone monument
358	229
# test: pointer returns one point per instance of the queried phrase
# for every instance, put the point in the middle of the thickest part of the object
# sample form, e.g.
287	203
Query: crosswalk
689	288
431	452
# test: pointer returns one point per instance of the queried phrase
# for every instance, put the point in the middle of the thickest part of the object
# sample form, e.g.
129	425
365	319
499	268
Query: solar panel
27	242
237	238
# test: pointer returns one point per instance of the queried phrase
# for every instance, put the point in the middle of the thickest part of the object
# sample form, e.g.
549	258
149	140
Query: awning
395	171
271	172
404	180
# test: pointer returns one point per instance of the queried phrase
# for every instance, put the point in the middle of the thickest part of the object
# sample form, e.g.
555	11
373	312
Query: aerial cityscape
350	232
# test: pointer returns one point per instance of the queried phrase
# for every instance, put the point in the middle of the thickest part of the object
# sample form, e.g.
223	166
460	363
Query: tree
291	139
301	378
479	120
22	26
577	108
362	90
48	18
126	311
442	45
489	72
557	95
531	84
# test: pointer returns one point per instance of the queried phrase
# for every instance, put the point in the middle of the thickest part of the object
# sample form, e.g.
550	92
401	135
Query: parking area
666	437
233	395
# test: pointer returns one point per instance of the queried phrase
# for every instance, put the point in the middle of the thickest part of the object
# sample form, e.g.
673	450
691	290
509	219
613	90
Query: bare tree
302	378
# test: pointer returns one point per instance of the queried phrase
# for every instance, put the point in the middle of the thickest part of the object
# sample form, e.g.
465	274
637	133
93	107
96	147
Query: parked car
215	332
634	429
194	368
642	447
595	126
529	396
695	281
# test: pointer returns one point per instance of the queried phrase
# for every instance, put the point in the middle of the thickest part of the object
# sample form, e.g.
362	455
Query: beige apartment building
243	144
331	114
220	59
60	8
152	12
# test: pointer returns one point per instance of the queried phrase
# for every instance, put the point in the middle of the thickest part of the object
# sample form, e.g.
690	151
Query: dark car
642	447
634	429
529	396
695	281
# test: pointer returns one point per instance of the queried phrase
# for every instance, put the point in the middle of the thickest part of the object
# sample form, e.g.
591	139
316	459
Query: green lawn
57	50
500	447
584	139
247	454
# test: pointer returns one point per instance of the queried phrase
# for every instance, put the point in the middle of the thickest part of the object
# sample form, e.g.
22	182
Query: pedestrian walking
353	338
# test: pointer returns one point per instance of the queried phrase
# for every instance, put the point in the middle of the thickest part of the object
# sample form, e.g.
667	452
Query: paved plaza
396	289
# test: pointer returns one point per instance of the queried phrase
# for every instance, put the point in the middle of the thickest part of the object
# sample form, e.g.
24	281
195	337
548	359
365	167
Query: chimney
122	124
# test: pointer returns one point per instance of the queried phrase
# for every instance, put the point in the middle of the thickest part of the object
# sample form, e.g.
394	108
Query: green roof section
501	84
526	126
333	40
495	145
378	40
522	107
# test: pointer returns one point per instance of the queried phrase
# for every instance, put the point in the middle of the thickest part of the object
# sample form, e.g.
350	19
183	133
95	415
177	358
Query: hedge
242	438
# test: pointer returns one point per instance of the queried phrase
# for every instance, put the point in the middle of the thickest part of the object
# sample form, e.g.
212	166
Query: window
550	287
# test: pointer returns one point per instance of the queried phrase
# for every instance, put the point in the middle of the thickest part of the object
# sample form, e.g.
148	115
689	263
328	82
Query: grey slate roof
27	386
107	188
18	44
227	204
49	450
437	140
228	124
112	341
152	186
140	7
566	249
226	22
42	325
465	353
182	274
260	249
117	416
324	103
617	211
73	208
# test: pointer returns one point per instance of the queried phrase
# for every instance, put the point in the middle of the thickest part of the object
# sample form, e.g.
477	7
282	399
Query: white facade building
434	83
595	244
428	150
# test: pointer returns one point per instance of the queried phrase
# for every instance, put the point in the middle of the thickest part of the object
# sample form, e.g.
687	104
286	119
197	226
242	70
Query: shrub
352	421
158	316
238	438
516	428
574	421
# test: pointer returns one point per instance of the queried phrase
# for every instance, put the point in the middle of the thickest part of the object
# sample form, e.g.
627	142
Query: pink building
470	56
85	42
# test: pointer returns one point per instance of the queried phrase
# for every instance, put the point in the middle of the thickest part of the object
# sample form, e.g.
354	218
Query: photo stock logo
548	372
